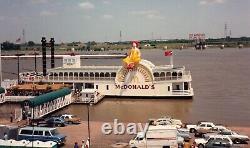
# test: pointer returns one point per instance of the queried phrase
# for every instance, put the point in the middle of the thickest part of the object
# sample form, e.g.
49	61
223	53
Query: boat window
113	74
101	74
168	88
86	74
60	74
71	74
75	74
96	87
180	74
162	74
91	74
174	74
65	74
107	87
107	74
96	74
156	74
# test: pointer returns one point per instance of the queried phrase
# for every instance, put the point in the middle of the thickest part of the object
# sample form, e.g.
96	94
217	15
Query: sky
102	20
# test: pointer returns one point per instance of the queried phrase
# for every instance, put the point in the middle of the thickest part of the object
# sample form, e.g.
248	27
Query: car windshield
54	132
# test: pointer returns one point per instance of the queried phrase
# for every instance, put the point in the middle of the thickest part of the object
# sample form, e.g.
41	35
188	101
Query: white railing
181	92
169	78
17	98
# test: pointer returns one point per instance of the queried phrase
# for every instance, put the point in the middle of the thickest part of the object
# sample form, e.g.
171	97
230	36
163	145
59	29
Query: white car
235	137
70	118
201	142
168	121
200	126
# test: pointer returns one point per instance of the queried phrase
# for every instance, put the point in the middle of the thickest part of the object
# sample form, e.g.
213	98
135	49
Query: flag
18	40
168	53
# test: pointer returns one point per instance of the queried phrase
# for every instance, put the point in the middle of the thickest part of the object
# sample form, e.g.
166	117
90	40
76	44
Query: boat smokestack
52	49
44	55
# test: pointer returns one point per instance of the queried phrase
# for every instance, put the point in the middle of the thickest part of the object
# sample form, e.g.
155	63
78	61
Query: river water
220	81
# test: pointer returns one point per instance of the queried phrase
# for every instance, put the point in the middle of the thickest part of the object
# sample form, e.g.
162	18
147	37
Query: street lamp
18	55
88	122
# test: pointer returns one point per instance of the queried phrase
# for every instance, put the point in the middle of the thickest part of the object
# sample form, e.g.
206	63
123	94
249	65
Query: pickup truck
202	127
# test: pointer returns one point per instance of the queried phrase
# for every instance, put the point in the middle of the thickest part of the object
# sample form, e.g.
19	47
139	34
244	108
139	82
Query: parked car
201	142
219	143
184	133
41	134
203	125
55	121
168	121
71	118
235	137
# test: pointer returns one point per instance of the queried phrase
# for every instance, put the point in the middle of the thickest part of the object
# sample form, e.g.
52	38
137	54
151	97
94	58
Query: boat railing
176	92
17	98
168	78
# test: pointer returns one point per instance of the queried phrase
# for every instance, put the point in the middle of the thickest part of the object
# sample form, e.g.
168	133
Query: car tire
237	141
192	130
200	146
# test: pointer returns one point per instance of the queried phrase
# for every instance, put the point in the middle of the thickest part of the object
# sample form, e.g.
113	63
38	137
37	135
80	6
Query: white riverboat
143	80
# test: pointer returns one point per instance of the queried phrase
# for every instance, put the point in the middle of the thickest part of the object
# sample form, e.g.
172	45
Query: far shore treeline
144	44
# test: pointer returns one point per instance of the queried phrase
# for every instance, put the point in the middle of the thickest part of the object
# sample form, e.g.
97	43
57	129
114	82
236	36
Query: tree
31	43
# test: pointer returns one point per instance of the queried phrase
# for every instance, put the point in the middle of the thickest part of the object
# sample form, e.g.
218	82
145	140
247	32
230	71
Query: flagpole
172	60
1	77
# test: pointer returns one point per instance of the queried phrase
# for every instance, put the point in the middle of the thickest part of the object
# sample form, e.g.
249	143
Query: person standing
76	145
5	136
83	144
11	117
87	145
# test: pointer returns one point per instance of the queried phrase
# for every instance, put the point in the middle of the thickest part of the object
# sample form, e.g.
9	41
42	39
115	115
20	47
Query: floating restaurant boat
143	80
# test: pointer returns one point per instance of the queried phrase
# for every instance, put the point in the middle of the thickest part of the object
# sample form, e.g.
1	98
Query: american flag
18	40
168	53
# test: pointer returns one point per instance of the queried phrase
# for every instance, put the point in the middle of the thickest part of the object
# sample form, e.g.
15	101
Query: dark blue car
41	134
55	121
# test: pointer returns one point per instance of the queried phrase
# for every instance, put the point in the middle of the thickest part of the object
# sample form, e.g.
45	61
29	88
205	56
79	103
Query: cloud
2	18
106	2
39	1
207	2
150	14
47	13
107	16
87	17
87	5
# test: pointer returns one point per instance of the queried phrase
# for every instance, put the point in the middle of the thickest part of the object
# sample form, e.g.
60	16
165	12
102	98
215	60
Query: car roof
37	128
67	115
206	122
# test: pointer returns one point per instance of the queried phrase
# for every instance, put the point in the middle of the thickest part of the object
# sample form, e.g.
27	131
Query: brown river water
220	80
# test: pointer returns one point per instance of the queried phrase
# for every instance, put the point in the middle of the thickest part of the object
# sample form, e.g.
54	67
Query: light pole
88	122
